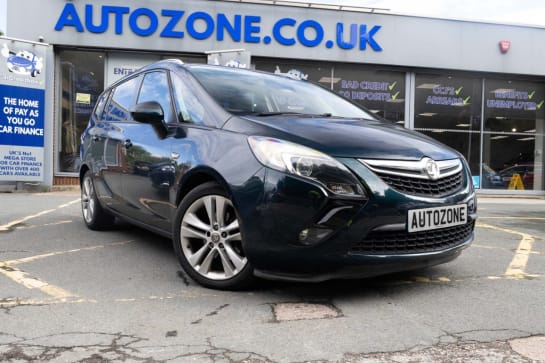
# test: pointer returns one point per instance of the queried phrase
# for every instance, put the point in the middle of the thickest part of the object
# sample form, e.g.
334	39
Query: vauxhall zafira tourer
253	174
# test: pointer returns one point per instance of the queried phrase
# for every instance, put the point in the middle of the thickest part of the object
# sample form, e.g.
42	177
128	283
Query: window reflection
155	88
448	108
513	133
82	81
381	91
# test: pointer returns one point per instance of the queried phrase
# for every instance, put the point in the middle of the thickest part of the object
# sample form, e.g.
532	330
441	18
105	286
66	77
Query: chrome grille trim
413	169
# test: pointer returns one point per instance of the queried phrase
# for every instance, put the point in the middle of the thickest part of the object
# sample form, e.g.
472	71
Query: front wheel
208	239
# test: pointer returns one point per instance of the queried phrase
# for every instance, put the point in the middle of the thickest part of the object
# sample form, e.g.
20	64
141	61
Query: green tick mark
466	100
539	105
531	94
391	87
458	90
394	96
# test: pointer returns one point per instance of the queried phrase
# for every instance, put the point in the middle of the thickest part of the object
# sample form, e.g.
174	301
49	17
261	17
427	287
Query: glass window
245	92
381	91
188	106
100	105
513	133
121	101
319	73
155	87
82	81
448	108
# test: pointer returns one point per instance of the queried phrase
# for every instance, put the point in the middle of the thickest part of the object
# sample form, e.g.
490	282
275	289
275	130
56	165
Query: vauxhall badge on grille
431	168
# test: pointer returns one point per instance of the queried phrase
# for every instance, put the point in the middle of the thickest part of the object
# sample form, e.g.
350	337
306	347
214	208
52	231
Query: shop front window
513	133
448	109
380	91
82	81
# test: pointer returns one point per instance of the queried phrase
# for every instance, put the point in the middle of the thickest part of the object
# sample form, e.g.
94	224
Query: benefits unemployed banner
22	96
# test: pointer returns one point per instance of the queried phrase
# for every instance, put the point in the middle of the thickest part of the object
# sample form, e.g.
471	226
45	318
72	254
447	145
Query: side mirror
148	112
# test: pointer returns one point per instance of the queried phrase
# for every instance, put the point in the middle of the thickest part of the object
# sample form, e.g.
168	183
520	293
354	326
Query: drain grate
304	311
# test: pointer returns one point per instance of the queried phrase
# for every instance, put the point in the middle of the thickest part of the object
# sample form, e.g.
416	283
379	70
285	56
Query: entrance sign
22	106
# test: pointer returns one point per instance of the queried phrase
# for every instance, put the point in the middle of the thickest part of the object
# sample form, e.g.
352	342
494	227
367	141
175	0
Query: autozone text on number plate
434	218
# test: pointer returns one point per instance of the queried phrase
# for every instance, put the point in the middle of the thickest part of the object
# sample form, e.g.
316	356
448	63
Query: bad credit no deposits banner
22	94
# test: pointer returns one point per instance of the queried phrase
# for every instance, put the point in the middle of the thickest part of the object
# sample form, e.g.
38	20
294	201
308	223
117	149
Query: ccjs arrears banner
22	96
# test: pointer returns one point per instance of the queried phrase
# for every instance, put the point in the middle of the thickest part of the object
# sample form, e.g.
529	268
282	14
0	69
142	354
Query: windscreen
244	92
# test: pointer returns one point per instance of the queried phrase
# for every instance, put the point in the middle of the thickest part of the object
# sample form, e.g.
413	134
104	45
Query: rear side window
121	101
155	87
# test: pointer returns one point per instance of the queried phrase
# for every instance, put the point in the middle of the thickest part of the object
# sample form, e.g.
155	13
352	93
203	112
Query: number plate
428	219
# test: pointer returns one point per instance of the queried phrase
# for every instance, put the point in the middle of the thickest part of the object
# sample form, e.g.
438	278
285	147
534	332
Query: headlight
307	163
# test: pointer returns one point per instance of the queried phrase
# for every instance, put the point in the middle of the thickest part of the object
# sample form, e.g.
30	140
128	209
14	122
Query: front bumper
291	205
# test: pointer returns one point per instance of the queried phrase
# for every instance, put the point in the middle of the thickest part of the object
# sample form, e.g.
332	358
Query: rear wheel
208	239
94	215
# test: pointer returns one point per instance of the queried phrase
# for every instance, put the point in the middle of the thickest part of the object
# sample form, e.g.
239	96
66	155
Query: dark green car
253	174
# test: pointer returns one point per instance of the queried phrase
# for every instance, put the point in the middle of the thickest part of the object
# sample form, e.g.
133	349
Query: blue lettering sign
153	22
250	29
234	29
69	17
340	36
118	11
278	35
89	20
367	37
313	25
201	25
206	19
175	17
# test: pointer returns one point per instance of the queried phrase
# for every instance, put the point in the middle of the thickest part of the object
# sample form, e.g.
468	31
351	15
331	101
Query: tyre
95	217
208	240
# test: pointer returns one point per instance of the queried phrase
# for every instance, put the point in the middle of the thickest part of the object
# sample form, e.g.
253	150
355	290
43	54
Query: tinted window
155	88
188	106
245	92
121	101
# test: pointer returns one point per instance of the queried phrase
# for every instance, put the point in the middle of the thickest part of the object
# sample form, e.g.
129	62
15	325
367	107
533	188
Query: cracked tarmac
104	347
71	295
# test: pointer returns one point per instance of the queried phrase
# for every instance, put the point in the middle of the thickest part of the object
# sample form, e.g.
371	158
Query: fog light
343	189
311	236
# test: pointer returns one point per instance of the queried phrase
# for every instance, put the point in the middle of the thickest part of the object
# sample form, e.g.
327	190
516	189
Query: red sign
504	46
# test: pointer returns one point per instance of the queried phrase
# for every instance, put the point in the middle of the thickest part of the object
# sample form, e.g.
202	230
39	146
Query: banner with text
22	98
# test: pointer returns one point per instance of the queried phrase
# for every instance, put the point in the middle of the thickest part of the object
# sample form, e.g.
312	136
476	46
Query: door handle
127	143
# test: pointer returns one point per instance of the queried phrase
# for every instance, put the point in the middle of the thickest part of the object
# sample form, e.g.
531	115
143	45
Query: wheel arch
83	169
196	177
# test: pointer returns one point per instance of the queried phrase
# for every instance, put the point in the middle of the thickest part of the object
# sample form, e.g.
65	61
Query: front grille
402	242
424	187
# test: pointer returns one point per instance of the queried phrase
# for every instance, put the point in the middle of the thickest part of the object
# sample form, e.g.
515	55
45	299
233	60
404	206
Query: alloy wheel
210	238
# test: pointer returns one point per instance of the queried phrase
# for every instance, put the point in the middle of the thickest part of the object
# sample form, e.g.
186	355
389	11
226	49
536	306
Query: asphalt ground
68	294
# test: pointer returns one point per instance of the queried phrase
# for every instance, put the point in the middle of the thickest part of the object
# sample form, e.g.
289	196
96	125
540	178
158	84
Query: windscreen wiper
280	113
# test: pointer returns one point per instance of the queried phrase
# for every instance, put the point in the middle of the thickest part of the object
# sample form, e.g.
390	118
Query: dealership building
477	87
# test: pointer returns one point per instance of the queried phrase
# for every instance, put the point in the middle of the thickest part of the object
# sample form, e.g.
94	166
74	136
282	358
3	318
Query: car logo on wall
22	62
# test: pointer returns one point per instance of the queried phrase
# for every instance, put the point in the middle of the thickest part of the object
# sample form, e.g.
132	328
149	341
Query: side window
187	104
155	88
100	105
121	101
